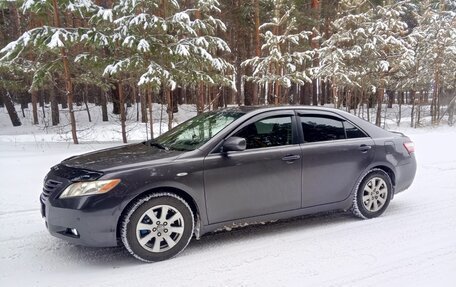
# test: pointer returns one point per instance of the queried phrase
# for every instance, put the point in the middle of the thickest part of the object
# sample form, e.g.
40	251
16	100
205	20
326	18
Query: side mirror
234	144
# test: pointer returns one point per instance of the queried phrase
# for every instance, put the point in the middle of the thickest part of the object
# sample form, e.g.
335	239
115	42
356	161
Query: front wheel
373	194
157	227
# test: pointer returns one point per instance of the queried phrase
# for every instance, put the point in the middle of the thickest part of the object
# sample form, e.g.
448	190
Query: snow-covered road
412	244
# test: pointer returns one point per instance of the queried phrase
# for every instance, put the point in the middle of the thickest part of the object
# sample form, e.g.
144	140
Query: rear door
265	178
334	154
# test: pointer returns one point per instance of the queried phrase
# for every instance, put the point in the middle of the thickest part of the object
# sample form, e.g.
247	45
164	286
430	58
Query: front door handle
364	148
291	157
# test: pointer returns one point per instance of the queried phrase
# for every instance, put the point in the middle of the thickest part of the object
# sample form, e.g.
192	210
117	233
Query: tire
157	227
373	194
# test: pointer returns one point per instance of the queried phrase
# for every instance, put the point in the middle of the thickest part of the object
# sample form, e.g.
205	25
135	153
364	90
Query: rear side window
325	128
352	131
317	128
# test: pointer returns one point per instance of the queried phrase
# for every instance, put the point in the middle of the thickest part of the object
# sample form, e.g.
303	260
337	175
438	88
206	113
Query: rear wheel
373	194
157	227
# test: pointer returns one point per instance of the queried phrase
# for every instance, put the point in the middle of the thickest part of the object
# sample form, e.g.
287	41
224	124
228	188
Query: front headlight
89	188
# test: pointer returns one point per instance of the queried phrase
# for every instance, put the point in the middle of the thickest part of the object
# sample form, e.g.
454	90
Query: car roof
371	129
263	108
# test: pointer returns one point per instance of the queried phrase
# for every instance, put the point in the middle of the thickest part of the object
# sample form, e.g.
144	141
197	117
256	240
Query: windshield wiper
156	144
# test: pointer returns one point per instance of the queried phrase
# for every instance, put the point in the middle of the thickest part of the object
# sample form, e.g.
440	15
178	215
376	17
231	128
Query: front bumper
94	218
95	227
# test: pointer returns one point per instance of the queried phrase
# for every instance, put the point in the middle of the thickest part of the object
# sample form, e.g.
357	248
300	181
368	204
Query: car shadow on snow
114	257
275	228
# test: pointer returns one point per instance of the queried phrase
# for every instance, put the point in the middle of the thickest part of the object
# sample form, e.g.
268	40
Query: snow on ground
413	243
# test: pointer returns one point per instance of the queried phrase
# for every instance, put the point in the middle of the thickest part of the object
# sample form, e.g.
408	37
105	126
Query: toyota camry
225	168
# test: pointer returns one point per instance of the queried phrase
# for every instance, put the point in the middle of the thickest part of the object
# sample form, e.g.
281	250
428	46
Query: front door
265	178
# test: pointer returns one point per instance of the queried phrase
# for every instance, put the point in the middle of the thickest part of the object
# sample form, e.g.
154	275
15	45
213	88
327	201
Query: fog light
74	231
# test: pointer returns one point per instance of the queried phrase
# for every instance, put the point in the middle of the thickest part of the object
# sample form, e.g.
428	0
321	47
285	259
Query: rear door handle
291	157
364	148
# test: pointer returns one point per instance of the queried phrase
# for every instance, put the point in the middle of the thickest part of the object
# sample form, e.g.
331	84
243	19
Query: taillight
410	147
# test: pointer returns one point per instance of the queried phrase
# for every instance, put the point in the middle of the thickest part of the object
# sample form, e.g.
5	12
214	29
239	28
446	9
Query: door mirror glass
234	144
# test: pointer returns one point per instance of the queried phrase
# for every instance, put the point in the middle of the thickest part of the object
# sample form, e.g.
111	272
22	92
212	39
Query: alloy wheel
375	194
160	228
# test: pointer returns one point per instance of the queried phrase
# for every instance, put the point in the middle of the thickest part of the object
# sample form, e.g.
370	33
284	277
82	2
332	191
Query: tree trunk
391	95
451	111
277	89
238	79
305	94
324	93
200	98
256	4
169	109
115	100
314	92
69	84
329	95
84	98
8	102
122	111
143	100
294	92
314	43
412	113
368	111
23	107
104	107
55	116
151	119
35	107
435	96
335	92
63	101
378	118
137	102
418	112
400	100
174	100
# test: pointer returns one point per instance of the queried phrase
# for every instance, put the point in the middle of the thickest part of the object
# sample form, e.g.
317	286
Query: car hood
123	157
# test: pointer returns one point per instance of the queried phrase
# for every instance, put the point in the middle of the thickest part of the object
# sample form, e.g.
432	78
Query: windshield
195	132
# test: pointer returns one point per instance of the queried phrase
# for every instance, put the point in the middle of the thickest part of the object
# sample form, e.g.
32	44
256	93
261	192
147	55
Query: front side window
269	132
195	132
320	128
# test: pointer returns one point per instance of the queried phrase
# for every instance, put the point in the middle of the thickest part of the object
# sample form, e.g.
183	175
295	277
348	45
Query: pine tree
168	46
367	49
49	47
435	43
285	52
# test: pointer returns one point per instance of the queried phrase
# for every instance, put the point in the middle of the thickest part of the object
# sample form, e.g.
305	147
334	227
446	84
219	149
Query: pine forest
59	58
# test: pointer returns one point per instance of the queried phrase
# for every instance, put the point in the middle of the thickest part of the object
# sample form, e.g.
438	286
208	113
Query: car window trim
257	117
300	113
334	141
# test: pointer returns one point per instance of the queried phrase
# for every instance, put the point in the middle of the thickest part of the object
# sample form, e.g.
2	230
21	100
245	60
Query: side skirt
228	225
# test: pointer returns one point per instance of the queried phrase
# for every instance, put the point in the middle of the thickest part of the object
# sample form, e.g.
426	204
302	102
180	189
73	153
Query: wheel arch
389	171
384	167
168	189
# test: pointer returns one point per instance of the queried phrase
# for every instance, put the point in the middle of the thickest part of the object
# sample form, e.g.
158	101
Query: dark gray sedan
222	169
